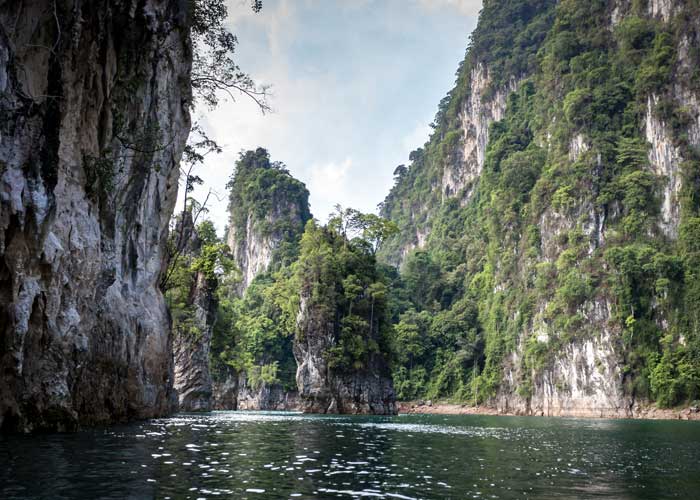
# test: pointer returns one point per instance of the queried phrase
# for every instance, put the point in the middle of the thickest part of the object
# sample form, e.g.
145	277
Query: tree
376	230
370	229
400	172
213	67
343	220
213	71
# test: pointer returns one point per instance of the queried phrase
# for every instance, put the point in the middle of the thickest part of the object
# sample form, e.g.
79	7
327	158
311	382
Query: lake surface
288	455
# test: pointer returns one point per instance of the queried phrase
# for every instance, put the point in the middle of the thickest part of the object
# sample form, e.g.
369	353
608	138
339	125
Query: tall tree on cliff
215	73
196	259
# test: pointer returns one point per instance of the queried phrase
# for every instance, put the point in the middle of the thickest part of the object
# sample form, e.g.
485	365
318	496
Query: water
287	455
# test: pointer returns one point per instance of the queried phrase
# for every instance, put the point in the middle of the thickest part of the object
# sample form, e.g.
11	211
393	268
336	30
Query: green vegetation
214	70
276	204
198	258
491	271
342	284
559	239
254	332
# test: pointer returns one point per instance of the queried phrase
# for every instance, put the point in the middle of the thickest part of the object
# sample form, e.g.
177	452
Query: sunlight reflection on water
290	455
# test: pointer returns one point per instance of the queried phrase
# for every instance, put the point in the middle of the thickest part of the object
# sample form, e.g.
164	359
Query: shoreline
642	413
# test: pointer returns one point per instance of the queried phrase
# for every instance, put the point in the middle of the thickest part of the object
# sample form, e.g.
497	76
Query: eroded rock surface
324	389
93	120
192	338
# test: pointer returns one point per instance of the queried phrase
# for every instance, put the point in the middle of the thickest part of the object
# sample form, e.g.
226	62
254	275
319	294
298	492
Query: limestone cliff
93	121
462	168
191	350
478	100
267	397
324	388
456	173
193	324
559	201
589	376
268	209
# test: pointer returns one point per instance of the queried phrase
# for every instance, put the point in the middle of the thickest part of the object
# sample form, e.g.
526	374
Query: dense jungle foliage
492	271
255	328
335	263
562	237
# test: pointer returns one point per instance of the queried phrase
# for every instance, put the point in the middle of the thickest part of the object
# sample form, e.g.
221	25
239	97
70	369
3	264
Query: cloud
464	7
418	136
328	186
355	83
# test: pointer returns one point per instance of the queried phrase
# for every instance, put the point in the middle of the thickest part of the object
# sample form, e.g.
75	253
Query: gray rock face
232	392
268	398
463	166
586	379
323	389
191	351
192	341
225	391
253	248
252	251
93	120
476	116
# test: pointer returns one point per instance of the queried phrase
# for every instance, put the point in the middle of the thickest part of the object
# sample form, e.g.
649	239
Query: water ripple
289	455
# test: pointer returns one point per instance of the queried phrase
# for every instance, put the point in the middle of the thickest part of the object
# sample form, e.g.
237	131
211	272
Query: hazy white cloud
355	84
328	185
465	7
418	136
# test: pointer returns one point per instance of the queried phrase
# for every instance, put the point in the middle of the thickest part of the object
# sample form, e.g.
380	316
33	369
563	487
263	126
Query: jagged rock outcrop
265	397
192	336
326	389
568	221
93	121
268	209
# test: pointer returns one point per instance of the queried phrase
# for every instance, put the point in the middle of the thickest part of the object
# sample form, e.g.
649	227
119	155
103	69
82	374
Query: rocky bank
326	389
234	393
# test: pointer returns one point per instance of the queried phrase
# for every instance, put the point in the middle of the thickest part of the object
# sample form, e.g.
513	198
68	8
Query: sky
355	85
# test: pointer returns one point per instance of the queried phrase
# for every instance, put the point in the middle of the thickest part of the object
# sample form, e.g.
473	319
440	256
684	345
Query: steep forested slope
268	210
549	229
252	355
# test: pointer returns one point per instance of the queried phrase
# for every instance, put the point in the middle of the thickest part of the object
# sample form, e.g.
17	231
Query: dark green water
285	455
